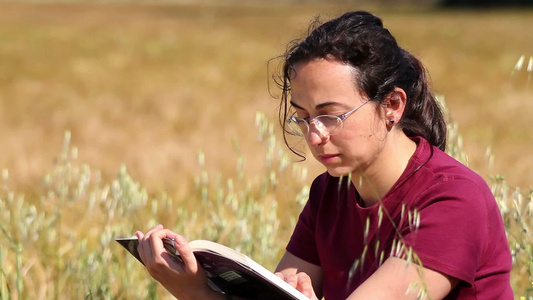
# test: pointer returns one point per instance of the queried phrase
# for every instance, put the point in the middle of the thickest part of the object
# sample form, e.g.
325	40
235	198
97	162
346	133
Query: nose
317	134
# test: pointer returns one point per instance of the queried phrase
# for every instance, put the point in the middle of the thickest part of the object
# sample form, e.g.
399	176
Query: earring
391	122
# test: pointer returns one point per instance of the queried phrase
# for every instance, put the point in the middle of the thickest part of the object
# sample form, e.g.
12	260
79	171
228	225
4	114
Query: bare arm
396	279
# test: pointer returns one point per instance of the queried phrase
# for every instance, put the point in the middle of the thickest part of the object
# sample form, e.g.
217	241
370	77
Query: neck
374	182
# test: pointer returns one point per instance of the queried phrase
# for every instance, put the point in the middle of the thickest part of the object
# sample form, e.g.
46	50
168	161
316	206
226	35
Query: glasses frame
315	120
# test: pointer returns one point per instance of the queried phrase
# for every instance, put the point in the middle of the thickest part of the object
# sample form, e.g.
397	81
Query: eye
300	113
303	117
331	112
299	119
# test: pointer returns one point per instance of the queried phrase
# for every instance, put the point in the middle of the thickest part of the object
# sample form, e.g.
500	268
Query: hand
300	281
185	280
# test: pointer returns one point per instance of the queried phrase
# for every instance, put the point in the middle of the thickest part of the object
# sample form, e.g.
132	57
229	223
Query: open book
229	271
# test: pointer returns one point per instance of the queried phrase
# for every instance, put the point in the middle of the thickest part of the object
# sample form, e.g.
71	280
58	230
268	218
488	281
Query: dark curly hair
360	40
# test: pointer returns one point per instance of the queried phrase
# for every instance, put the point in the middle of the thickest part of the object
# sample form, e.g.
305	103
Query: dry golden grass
148	85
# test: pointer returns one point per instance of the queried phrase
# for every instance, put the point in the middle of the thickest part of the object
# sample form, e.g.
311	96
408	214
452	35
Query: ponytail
423	115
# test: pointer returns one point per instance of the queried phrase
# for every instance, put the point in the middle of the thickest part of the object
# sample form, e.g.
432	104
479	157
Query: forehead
323	67
323	80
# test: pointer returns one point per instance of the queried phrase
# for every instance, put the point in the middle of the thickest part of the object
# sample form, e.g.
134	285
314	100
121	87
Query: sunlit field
117	117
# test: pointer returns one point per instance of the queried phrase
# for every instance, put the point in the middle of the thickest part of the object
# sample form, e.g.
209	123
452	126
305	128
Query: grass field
148	86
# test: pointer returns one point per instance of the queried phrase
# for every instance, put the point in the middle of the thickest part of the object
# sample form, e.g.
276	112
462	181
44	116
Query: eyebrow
318	106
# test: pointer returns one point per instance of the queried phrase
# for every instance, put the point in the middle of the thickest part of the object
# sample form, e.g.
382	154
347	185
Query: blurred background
149	83
160	102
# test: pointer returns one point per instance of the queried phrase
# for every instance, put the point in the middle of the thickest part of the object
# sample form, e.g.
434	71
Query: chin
338	172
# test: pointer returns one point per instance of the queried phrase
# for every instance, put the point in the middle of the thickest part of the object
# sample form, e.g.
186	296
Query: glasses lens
298	127
331	124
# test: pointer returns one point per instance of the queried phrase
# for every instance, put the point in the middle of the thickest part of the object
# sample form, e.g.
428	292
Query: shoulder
448	192
456	187
452	176
441	173
442	181
440	164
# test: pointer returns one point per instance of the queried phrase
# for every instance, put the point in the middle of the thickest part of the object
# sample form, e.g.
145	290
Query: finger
280	275
159	260
305	285
191	264
292	280
154	238
149	232
144	251
158	248
144	248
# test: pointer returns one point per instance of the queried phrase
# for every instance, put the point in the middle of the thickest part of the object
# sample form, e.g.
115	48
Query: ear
395	105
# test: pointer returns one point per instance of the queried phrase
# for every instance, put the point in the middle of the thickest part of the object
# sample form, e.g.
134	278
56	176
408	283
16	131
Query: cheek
364	135
358	144
349	142
373	132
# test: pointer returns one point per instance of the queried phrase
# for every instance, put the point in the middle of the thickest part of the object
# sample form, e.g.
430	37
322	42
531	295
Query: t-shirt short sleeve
452	233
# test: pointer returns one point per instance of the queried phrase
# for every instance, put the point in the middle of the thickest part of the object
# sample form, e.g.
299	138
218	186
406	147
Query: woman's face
328	87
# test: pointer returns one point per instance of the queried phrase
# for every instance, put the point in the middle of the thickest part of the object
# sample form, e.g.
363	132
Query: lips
327	158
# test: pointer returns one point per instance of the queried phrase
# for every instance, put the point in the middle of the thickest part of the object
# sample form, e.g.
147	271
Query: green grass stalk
20	284
3	283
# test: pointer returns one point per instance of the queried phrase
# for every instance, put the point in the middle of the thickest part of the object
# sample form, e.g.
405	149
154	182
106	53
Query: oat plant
58	243
522	68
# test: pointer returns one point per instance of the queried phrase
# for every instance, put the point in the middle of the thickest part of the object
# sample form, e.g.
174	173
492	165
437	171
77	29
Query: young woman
394	217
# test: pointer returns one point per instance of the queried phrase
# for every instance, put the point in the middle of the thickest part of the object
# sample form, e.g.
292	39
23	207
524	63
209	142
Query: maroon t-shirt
439	207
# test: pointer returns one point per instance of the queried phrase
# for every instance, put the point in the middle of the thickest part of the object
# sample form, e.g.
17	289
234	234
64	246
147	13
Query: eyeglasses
325	124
